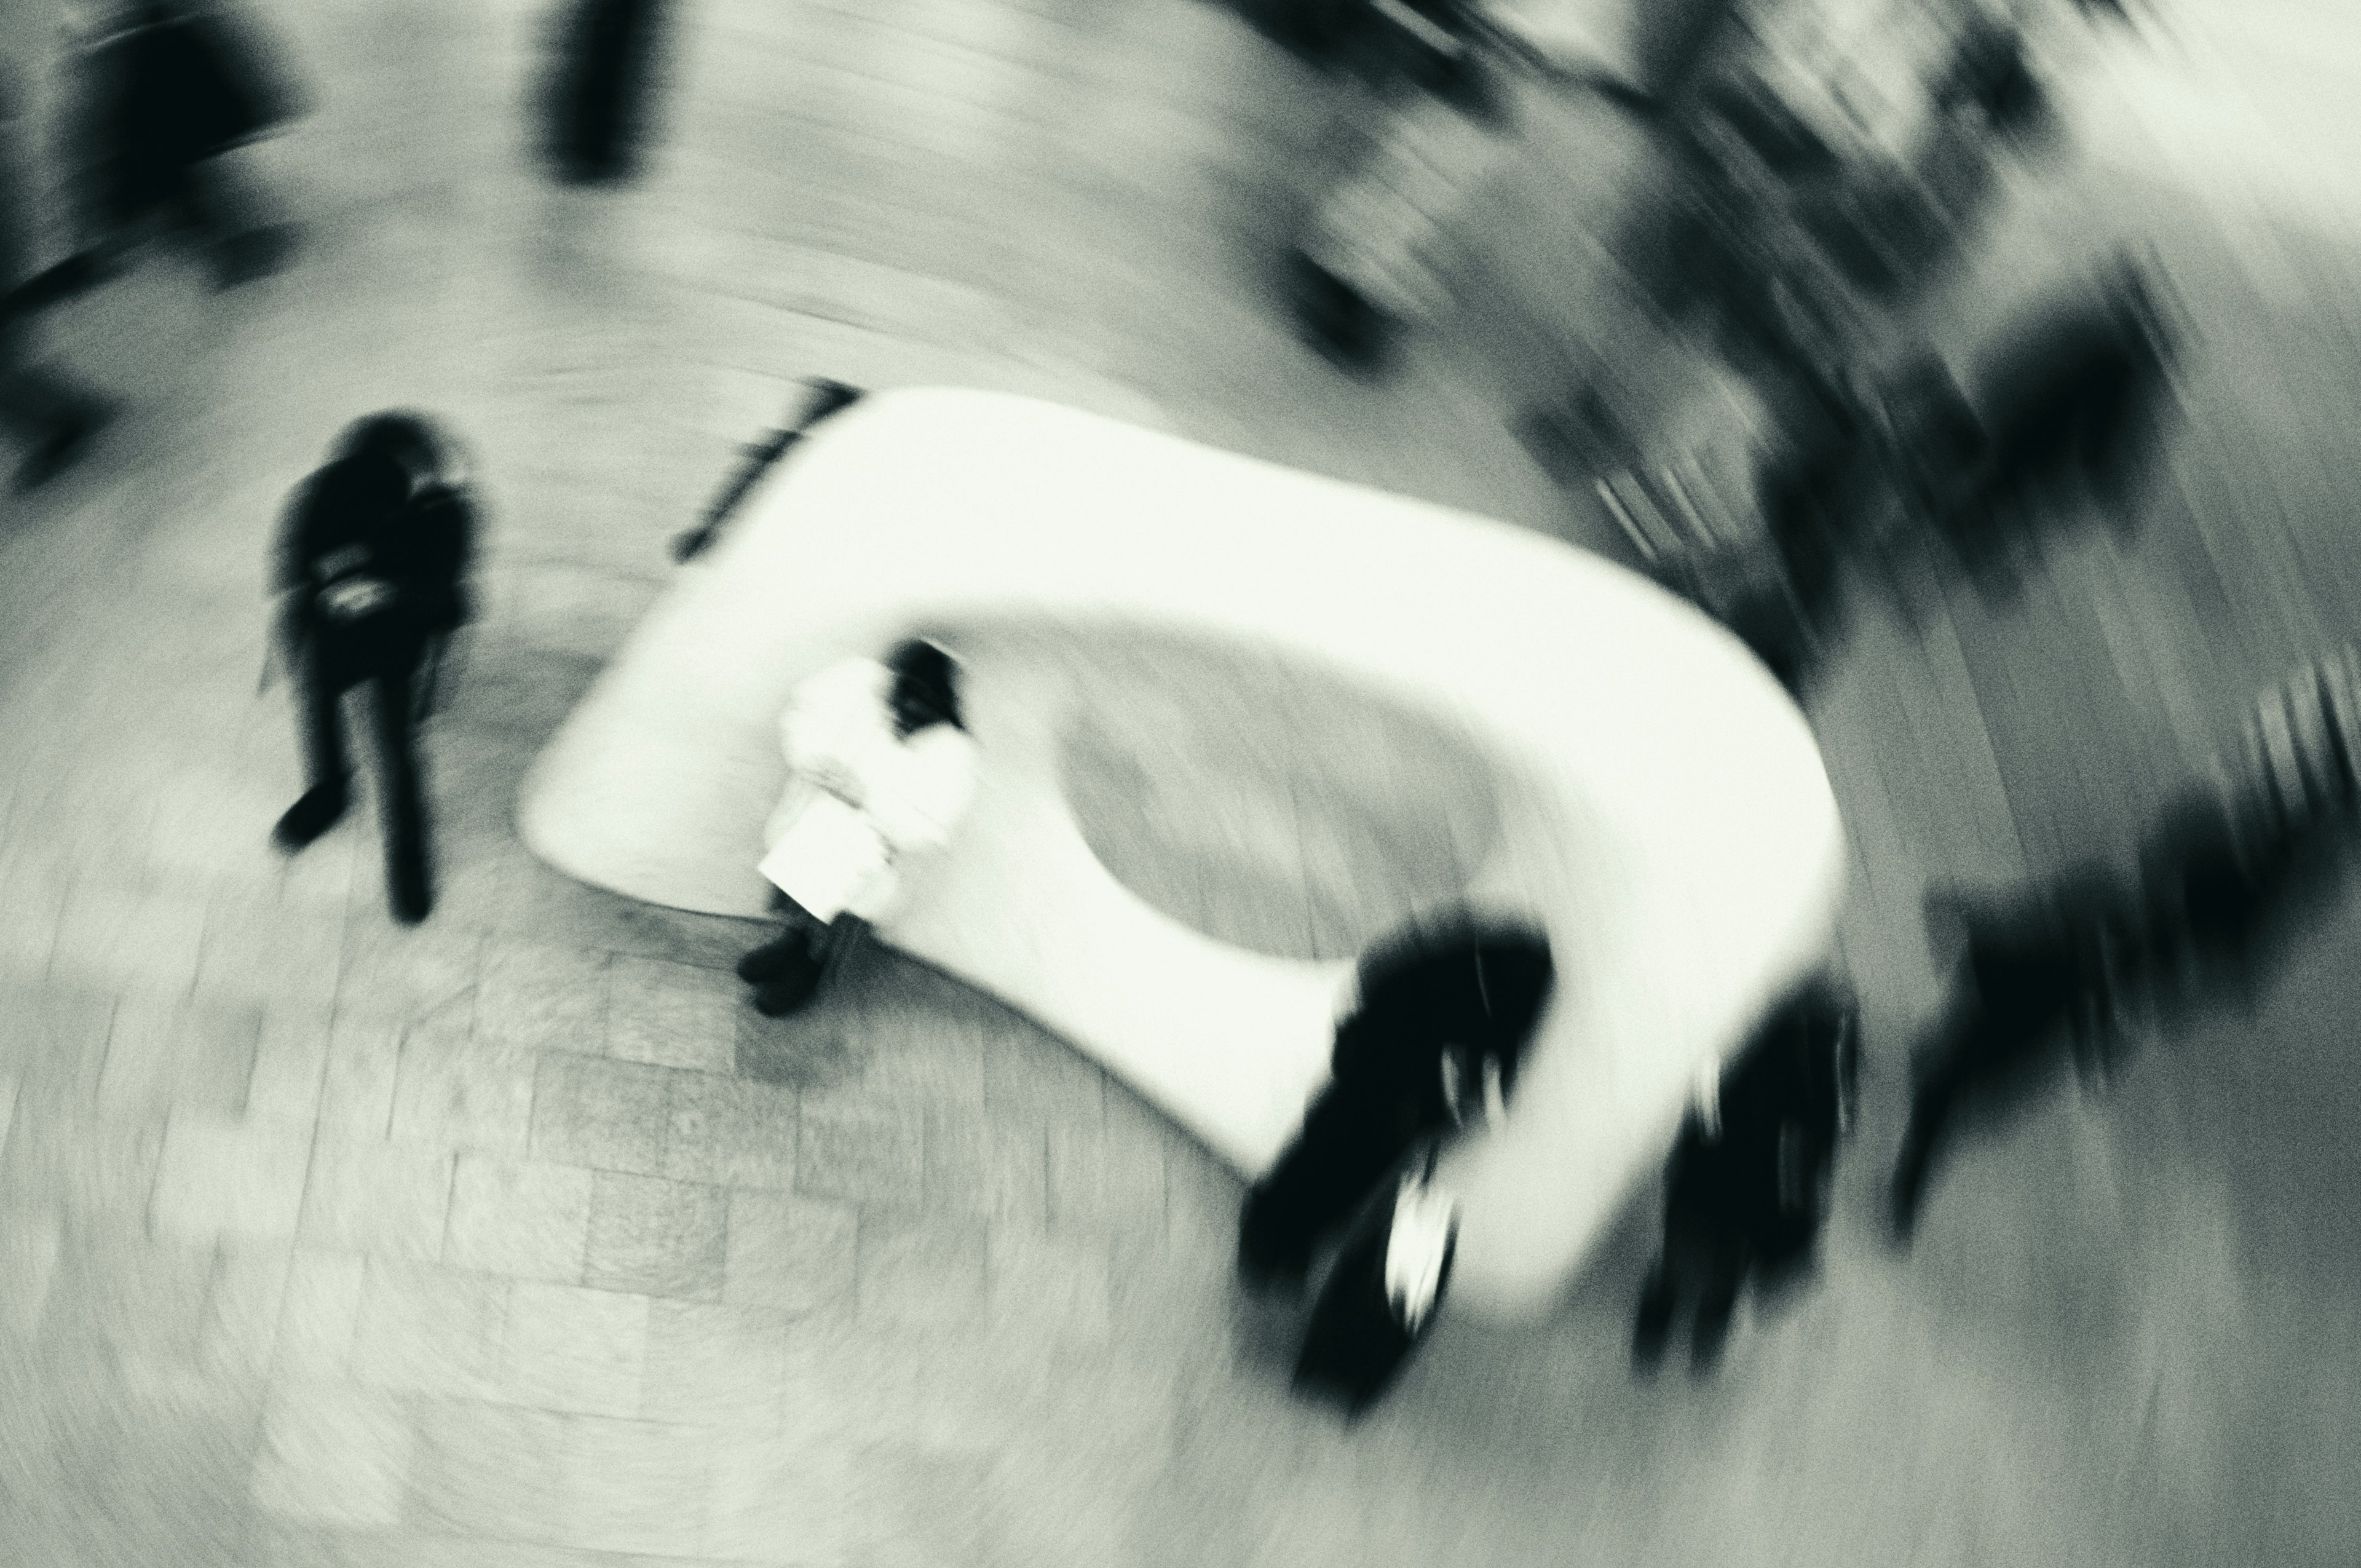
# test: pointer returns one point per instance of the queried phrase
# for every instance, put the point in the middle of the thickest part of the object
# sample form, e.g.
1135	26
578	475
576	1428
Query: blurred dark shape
825	398
598	94
167	95
372	559
1747	1188
1379	1300
2231	876
1442	1010
2039	972
54	419
2075	403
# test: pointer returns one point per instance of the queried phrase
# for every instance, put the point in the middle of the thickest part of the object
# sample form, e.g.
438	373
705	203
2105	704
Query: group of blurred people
158	94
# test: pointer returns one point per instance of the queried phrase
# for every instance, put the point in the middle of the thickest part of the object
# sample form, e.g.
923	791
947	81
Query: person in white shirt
880	767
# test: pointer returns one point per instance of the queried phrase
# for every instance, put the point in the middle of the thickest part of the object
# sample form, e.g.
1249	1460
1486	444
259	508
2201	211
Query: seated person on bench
880	767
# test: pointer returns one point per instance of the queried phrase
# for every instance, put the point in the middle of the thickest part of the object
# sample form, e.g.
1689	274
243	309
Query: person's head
395	435
926	687
363	486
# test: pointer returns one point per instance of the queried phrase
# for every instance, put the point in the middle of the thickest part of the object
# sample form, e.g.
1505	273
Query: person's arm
917	810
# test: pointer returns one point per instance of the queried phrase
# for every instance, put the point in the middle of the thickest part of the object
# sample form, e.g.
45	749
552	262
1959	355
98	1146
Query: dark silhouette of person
598	94
1442	1013
372	562
170	91
1747	1188
54	419
2230	876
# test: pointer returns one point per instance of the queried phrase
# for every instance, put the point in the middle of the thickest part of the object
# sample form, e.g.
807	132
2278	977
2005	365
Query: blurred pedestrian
53	419
880	767
1748	1187
372	562
170	90
598	94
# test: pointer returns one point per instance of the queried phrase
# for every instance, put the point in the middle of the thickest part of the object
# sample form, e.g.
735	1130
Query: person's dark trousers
390	675
597	106
1356	1343
790	971
1353	1135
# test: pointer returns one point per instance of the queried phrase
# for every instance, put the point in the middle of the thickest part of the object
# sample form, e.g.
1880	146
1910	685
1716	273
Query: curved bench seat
1662	809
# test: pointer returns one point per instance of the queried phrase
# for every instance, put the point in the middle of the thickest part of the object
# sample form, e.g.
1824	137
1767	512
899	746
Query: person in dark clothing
372	562
54	419
2040	973
1748	1184
1434	1038
826	398
598	94
171	92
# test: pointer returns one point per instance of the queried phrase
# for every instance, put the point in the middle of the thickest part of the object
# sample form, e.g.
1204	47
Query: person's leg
1350	1138
54	419
407	882
1724	1276
802	979
319	691
774	957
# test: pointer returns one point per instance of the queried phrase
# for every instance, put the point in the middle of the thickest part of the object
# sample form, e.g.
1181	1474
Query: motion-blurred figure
372	561
880	767
1432	1043
826	398
54	419
2230	877
598	91
171	89
1748	1187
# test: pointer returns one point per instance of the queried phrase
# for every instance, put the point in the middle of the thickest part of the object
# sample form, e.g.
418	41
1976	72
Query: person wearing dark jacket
1747	1188
598	94
54	419
1435	1037
169	92
372	562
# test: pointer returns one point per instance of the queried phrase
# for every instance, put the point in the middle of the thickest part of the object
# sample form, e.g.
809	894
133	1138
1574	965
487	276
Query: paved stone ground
516	1240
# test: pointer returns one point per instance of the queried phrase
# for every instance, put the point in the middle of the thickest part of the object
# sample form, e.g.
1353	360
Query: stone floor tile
636	1486
781	1499
56	1045
608	1115
240	1335
731	1132
541	996
377	1198
426	1330
457	1091
788	1254
926	1270
364	1059
290	1061
319	1311
716	1364
165	1050
30	1238
414	975
1041	1285
110	933
487	1470
672	1014
574	1350
87	1166
1100	1181
221	1176
259	949
656	1237
988	1167
873	1158
334	1454
525	1219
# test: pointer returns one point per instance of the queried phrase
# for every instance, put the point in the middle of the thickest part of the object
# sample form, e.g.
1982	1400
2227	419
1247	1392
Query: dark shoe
255	255
320	810
790	991
407	891
1652	1325
1380	1300
774	957
1266	1259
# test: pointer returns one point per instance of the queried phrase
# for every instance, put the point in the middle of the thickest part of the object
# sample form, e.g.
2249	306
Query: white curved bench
1664	811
